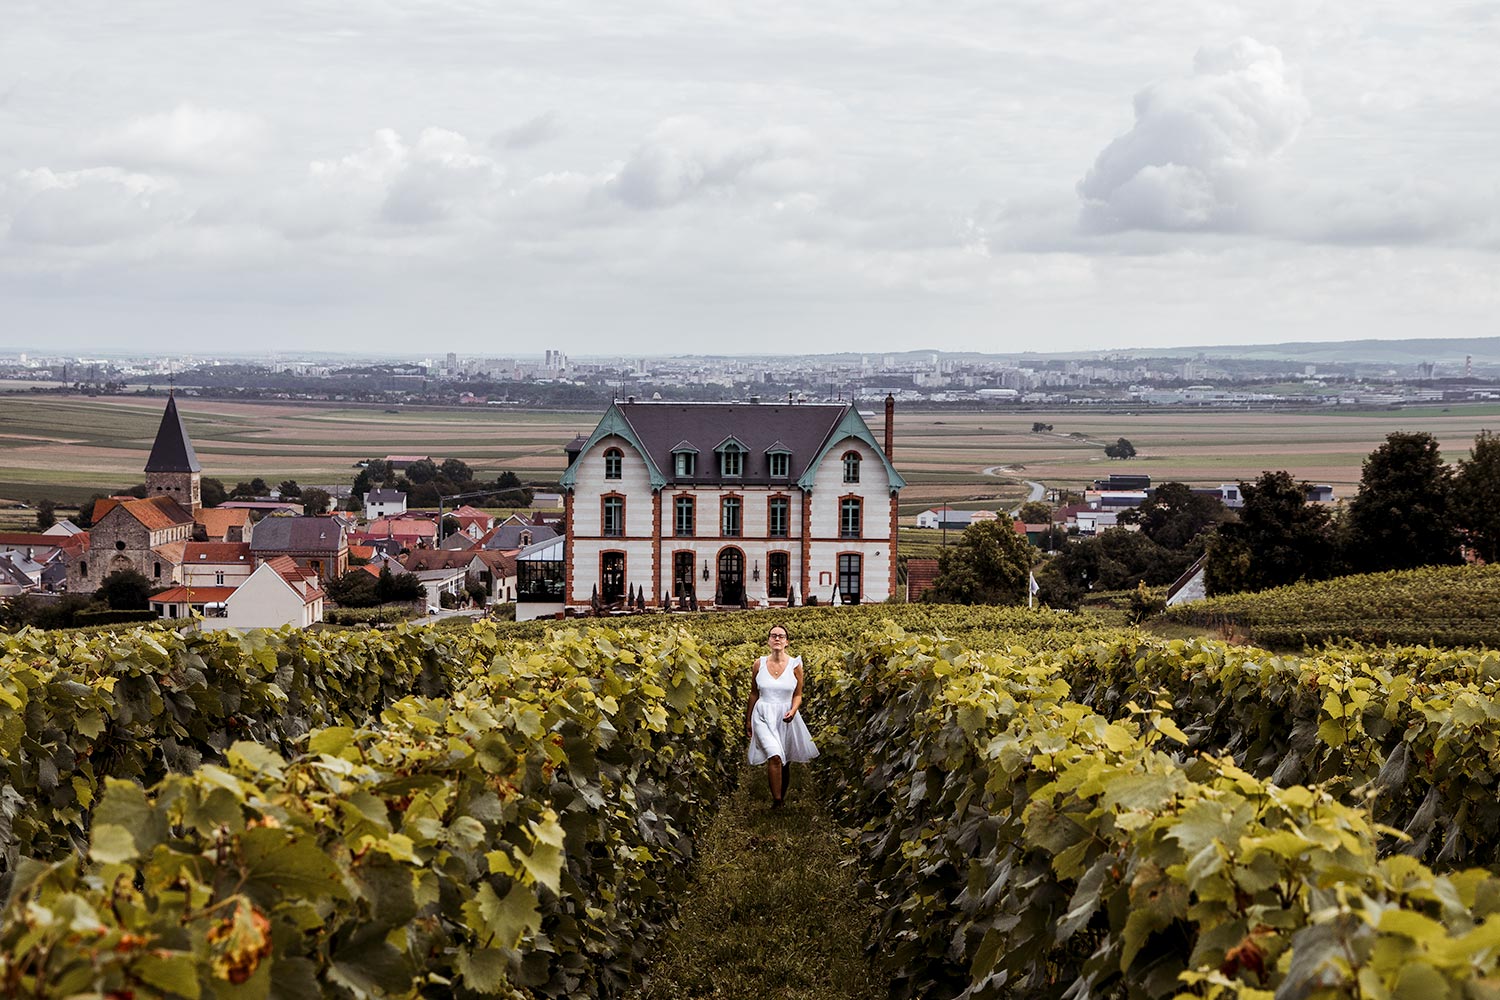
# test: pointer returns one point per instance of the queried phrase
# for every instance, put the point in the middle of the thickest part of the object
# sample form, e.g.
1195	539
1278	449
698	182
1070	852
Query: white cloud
185	138
685	157
85	207
1200	151
439	178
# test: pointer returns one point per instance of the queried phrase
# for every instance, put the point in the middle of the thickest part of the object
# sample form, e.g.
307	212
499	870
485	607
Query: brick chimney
890	425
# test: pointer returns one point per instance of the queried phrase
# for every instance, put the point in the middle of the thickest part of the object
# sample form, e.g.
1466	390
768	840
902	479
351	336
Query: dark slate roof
297	534
384	496
508	536
173	450
800	429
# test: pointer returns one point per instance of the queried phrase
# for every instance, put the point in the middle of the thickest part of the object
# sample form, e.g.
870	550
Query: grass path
773	913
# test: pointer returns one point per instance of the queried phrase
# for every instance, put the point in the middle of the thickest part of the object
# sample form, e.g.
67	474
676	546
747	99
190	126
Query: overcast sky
657	176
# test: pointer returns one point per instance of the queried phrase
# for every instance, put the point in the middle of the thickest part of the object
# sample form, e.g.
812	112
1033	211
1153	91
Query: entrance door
731	577
612	577
682	574
851	572
777	564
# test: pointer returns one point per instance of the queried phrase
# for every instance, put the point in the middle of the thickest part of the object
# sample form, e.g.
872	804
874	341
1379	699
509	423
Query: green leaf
258	759
171	973
504	921
112	844
280	863
486	970
332	741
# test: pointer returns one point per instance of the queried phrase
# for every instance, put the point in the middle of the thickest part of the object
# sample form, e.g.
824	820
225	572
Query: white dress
769	735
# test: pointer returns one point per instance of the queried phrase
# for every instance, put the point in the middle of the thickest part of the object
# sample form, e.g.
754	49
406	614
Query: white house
735	503
953	520
278	593
216	564
384	503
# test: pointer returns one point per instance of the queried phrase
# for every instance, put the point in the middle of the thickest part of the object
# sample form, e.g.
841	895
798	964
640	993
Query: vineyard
1044	807
1449	605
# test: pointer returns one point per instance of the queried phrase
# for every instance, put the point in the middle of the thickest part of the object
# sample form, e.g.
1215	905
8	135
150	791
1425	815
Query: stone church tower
173	469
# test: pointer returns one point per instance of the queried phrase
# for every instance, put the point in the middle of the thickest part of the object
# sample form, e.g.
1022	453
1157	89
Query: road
1038	490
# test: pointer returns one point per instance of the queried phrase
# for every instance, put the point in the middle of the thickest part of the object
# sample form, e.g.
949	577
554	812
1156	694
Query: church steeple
173	467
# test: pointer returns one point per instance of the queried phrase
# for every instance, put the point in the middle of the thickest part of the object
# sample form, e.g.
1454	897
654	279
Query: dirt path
774	914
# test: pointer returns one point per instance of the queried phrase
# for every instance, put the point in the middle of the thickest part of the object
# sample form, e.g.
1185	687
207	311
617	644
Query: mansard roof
173	450
805	431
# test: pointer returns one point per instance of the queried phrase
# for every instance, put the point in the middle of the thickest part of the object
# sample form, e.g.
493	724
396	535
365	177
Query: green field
66	448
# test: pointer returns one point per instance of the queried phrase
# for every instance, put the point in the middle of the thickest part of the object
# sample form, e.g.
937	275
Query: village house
384	503
317	544
280	592
735	504
217	564
149	536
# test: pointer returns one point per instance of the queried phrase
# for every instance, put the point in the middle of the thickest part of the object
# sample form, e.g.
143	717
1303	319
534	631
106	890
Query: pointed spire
173	450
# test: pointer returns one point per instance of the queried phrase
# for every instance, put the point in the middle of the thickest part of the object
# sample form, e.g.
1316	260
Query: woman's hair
784	631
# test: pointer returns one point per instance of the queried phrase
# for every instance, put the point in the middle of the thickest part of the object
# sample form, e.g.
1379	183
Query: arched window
525	539
612	463
851	466
83	567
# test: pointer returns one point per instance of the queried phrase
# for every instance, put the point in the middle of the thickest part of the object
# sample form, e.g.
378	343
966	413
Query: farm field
67	448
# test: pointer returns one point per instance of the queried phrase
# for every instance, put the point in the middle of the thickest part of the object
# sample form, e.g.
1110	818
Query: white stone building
732	503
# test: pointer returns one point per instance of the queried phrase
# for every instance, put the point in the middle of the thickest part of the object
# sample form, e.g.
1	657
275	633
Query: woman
777	734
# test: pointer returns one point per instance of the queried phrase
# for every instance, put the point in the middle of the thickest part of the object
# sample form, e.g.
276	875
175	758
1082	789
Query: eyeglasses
777	635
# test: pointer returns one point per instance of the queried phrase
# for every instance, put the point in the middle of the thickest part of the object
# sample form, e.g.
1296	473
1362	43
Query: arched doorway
731	589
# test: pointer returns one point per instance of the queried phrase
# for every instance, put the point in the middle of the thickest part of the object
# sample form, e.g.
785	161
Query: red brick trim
568	547
806	542
894	540
655	600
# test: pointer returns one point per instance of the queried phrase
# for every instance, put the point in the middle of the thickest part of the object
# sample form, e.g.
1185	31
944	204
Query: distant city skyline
667	179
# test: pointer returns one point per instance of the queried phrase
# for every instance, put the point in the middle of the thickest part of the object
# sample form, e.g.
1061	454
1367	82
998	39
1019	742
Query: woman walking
778	736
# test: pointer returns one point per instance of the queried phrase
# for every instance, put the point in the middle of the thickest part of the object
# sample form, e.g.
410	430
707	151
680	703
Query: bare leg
773	776
786	778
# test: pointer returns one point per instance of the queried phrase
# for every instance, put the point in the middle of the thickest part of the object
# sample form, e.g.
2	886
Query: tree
254	488
398	587
1034	512
46	514
355	589
125	590
989	565
449	526
1174	515
1120	449
289	489
1038	427
1475	490
211	491
508	481
316	501
422	471
1403	517
86	511
1115	559
1279	538
456	471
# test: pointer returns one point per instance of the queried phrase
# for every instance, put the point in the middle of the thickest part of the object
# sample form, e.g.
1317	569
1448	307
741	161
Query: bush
112	617
1144	604
380	614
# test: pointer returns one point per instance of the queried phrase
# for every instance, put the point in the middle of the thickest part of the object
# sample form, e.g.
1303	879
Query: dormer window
613	462
731	459
732	462
851	466
780	464
684	460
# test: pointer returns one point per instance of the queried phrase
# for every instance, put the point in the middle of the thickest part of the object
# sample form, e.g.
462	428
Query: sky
498	179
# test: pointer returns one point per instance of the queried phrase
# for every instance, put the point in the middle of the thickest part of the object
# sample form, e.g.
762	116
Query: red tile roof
217	521
217	552
193	595
154	513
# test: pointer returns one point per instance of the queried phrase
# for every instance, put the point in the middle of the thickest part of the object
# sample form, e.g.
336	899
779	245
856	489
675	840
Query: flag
1035	587
1031	590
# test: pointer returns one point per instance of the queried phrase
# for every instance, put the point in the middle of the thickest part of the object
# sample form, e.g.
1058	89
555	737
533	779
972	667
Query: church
148	535
735	504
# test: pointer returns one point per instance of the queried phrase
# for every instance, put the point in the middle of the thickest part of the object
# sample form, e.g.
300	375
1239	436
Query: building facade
733	504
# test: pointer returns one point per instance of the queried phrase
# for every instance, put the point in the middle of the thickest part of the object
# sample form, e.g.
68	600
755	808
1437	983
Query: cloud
532	132
185	138
687	157
439	178
85	207
1200	152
